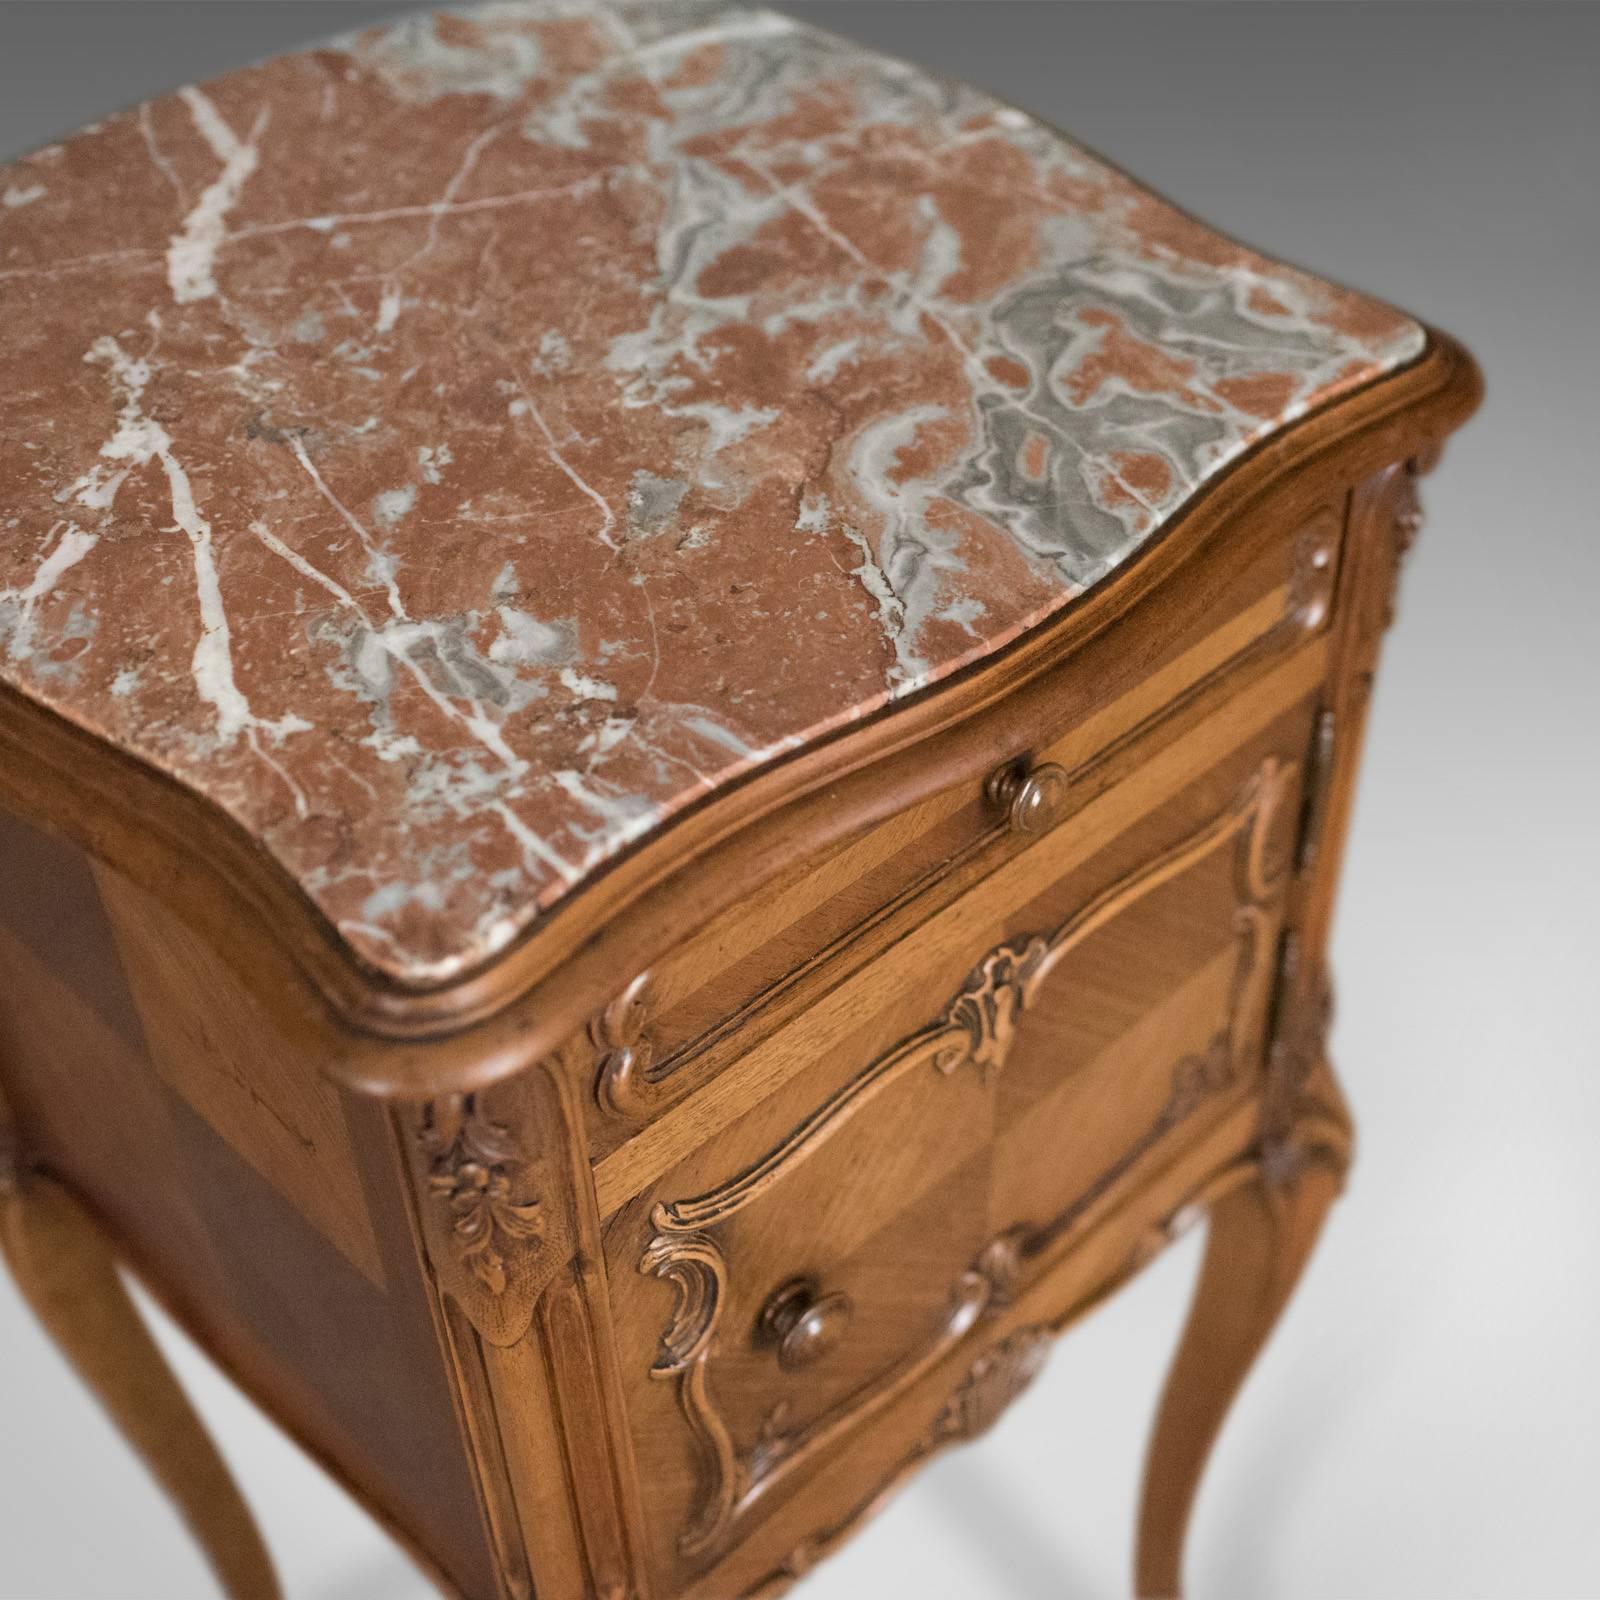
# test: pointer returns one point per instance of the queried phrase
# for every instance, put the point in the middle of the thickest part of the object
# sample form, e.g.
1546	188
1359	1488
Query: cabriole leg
64	1267
1259	1237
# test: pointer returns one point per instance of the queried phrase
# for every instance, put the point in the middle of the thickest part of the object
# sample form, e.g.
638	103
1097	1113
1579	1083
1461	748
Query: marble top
455	449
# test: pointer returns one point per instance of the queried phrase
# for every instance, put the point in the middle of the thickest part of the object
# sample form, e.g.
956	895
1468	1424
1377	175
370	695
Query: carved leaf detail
474	1175
996	1378
1198	1077
1291	1060
989	1005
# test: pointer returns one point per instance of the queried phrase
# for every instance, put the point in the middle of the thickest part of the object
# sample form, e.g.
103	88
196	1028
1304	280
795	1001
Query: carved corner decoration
475	1175
491	1222
976	1027
1297	1127
496	1183
1405	523
625	1050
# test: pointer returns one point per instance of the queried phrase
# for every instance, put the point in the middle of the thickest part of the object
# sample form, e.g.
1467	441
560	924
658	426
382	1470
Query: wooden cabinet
626	918
936	1131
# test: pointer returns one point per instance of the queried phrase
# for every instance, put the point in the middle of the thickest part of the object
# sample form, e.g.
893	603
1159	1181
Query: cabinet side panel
263	1206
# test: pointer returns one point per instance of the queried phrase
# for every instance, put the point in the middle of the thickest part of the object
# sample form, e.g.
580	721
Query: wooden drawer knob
803	1323
1032	796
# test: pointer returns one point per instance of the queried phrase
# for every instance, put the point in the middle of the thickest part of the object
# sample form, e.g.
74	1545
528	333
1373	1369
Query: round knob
1032	797
804	1324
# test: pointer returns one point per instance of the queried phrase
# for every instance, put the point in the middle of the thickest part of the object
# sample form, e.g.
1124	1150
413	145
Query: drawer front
746	971
950	1121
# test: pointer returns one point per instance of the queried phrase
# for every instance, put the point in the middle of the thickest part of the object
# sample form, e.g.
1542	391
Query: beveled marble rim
186	850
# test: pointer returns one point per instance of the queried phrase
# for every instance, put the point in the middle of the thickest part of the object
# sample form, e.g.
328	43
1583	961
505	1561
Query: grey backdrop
1427	1424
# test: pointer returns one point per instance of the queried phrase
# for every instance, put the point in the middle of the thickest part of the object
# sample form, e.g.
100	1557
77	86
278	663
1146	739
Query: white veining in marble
456	449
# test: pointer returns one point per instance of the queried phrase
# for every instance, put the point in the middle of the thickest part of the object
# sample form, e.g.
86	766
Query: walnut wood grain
350	1369
734	980
973	1034
520	1196
1182	751
642	1260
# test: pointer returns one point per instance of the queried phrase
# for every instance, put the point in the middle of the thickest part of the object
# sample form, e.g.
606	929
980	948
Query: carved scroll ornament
1311	579
625	1050
976	1028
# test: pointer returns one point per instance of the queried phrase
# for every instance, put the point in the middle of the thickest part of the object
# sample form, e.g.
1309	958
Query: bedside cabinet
677	711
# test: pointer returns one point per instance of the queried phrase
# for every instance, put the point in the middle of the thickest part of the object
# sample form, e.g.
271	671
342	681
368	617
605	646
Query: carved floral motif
474	1175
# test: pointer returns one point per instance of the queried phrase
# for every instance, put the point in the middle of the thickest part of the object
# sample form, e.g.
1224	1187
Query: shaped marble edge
903	374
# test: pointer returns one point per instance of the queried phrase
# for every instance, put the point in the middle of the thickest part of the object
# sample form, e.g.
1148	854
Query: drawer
744	972
944	1126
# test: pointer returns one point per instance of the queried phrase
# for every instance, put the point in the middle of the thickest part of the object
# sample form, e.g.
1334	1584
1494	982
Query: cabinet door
938	1128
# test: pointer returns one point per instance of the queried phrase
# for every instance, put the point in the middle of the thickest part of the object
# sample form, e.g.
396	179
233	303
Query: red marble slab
454	449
